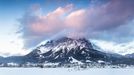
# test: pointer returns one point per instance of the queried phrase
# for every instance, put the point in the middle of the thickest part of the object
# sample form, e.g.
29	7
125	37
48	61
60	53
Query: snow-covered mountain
63	50
68	50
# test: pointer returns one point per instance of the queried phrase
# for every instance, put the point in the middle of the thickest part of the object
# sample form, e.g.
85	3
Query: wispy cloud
113	47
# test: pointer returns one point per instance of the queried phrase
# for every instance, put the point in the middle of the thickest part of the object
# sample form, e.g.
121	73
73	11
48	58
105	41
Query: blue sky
26	23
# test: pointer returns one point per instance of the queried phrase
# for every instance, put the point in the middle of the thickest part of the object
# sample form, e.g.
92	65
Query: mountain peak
65	43
64	49
66	39
63	39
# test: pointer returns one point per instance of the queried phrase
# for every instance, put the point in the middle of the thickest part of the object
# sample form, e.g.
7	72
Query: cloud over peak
94	22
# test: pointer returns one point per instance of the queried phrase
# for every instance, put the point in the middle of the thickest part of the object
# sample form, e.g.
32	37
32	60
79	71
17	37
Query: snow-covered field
65	71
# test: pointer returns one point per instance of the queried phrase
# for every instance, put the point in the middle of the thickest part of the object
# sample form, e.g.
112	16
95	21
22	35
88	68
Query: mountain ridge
67	50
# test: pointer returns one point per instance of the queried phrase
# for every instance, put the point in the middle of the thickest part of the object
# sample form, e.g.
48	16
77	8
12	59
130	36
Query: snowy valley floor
66	71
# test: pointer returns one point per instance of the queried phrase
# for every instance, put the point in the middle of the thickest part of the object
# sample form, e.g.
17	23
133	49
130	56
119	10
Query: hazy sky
26	23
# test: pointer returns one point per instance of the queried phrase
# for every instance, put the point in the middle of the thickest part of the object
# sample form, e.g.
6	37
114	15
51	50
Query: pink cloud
89	22
76	19
51	22
107	16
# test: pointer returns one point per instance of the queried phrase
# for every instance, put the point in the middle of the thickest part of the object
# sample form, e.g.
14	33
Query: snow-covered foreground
64	71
